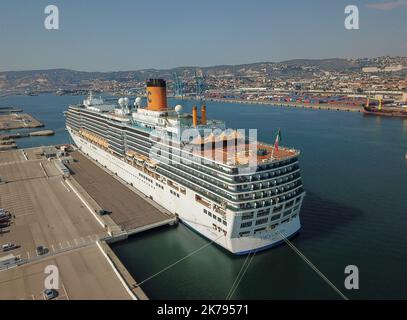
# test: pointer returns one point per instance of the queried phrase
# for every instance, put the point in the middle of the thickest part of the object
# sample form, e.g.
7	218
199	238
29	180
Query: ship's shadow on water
320	216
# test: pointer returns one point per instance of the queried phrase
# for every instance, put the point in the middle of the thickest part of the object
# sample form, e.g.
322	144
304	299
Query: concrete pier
60	214
18	121
25	135
295	105
131	211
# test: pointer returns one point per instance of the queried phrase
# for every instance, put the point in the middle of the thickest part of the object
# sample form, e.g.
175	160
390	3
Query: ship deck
244	154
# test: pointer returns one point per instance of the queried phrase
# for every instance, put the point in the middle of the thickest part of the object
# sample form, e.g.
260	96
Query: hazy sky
137	34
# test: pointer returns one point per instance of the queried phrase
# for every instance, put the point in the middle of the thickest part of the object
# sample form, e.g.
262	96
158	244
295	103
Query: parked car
4	224
50	294
9	261
5	216
8	247
103	212
41	250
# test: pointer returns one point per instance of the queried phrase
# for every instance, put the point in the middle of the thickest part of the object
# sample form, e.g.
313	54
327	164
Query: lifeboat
152	164
130	154
139	158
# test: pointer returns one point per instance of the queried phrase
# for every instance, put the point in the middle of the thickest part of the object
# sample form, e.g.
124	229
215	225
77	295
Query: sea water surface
355	211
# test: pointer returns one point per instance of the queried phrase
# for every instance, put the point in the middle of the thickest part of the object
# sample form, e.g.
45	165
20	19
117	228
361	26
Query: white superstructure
184	163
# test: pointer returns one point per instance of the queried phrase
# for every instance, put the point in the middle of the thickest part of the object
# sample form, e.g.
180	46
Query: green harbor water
355	213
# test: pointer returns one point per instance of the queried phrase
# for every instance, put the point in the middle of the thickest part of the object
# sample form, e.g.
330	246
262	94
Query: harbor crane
200	85
178	86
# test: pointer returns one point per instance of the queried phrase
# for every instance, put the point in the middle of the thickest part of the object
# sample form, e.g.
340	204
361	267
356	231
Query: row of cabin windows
215	227
265	212
276	183
250	223
174	193
145	178
180	176
260	213
263	176
141	177
265	220
271	227
262	221
159	185
288	205
215	217
246	224
266	203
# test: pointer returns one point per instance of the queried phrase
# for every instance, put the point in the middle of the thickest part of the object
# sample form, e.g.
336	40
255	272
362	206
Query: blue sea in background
355	212
46	108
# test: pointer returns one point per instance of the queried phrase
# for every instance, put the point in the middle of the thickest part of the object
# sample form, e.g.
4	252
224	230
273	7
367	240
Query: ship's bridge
97	104
172	120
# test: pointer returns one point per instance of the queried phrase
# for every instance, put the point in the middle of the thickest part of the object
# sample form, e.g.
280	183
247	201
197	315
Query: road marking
66	294
119	276
25	156
43	169
52	246
67	189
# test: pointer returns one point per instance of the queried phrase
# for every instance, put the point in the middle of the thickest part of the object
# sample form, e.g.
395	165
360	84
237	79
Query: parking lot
44	209
11	156
83	274
46	212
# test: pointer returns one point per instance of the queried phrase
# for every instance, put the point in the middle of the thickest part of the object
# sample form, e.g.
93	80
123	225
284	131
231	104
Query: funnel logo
148	96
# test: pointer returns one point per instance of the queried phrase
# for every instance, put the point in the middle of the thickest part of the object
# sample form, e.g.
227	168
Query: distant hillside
327	64
64	78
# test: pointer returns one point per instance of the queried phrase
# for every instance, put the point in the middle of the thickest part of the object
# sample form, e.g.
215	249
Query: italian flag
278	139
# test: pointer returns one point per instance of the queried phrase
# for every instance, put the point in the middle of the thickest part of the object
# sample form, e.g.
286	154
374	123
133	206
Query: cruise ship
237	192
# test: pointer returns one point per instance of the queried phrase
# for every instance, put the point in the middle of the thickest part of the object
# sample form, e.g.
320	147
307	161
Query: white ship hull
186	207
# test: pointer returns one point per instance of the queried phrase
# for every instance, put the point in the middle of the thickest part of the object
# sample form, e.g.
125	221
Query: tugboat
387	112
